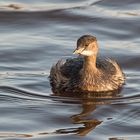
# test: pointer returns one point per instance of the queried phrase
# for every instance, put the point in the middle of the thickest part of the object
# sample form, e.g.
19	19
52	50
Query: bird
87	72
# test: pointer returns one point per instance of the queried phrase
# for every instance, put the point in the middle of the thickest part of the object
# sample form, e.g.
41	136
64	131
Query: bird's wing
72	67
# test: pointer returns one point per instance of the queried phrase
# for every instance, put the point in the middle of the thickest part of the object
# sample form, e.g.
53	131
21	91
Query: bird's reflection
89	102
88	124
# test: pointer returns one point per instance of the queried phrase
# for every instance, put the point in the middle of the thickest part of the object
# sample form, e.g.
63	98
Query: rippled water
33	36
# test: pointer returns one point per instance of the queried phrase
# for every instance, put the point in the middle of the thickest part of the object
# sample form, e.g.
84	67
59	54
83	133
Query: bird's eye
86	45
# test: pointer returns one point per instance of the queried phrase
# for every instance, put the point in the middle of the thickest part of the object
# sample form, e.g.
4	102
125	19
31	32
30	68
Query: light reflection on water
38	33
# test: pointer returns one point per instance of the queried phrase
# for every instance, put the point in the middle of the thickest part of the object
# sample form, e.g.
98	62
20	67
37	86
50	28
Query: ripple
35	35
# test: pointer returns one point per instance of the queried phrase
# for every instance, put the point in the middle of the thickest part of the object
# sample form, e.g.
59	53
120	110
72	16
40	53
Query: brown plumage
86	74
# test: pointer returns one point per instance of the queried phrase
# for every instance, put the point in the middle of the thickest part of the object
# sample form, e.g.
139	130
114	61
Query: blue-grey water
36	34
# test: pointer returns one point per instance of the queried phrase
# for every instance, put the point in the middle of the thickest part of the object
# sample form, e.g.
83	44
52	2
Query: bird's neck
89	63
87	73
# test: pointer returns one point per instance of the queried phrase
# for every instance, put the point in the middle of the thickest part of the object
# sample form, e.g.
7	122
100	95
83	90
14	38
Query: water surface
33	36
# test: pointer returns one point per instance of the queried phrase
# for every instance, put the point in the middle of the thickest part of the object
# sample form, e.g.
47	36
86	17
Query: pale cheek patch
87	53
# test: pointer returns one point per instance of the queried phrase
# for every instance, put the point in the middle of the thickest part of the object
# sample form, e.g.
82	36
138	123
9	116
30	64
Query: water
33	36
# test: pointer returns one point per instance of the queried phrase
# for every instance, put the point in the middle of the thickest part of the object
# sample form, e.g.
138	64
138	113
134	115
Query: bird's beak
78	51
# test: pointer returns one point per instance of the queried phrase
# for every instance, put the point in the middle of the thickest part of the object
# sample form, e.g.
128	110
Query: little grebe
86	74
